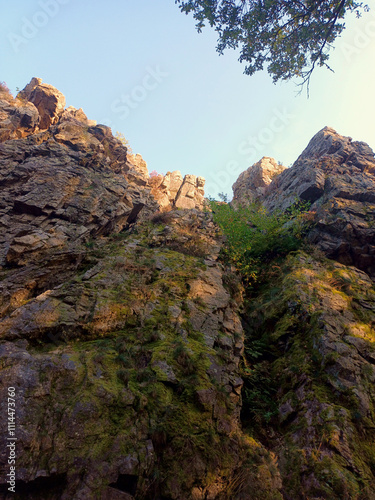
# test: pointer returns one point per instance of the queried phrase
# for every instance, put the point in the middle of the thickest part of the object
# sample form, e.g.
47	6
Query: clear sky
141	67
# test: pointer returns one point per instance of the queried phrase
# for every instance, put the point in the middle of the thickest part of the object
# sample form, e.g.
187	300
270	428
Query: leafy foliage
290	37
255	237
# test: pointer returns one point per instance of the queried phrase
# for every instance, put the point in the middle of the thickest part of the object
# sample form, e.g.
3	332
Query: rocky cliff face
127	340
119	327
314	323
336	176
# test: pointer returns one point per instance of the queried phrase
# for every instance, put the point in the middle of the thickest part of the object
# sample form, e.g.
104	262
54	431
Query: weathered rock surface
139	164
336	175
191	193
120	328
117	327
49	101
317	375
175	191
18	117
251	184
61	188
140	365
309	333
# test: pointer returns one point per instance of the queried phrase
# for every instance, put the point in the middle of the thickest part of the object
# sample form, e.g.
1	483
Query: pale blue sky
141	67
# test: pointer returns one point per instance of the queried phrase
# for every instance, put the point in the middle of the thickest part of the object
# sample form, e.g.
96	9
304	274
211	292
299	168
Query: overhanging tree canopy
289	37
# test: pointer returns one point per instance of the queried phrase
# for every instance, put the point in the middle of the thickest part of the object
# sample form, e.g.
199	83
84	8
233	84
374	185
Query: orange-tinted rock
251	184
49	101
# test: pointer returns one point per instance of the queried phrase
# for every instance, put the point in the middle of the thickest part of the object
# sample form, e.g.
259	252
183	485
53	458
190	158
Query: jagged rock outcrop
336	175
60	188
139	165
18	118
191	193
47	99
52	198
251	184
175	191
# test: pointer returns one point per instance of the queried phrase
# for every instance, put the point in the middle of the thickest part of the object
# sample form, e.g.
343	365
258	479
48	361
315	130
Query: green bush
254	237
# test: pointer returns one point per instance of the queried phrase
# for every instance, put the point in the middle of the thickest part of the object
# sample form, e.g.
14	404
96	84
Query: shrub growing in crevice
256	237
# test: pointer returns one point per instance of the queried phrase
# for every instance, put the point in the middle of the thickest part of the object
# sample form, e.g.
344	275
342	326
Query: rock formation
47	99
174	191
127	339
251	184
117	330
316	317
18	117
336	175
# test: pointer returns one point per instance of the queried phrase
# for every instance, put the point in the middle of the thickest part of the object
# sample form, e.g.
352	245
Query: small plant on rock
255	237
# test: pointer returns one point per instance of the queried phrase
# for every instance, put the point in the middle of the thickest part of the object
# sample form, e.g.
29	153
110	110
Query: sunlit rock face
51	195
315	315
49	101
191	193
175	191
251	184
18	117
337	176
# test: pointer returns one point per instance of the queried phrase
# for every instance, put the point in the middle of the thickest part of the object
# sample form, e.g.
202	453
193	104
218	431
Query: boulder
49	101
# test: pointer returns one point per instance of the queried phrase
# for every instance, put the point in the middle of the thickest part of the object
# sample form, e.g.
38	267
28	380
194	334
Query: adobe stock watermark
130	101
361	40
250	150
31	26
